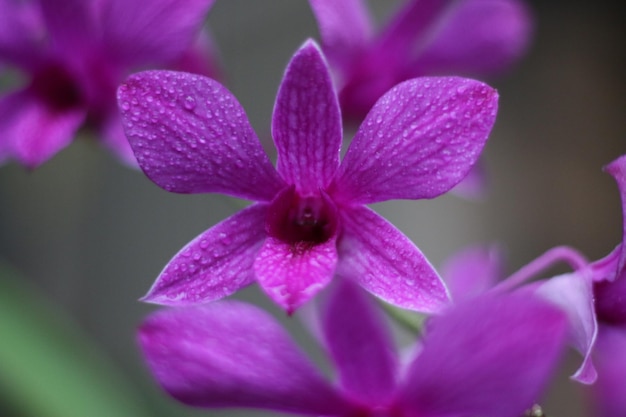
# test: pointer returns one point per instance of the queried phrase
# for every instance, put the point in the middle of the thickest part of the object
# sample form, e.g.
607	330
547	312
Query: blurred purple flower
610	299
478	270
491	358
74	54
190	135
425	37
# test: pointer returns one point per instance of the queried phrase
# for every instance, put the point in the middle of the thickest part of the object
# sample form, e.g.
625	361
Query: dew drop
189	103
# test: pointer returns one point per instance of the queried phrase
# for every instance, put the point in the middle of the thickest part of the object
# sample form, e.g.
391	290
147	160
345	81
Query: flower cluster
488	344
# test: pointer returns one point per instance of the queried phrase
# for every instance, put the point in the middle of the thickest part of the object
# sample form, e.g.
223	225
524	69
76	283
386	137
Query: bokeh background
90	235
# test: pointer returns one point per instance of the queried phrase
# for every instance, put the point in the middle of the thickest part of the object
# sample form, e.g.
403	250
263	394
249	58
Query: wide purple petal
491	357
572	293
306	124
292	273
215	264
345	27
138	35
190	135
617	169
232	354
472	271
32	130
72	24
20	30
608	391
386	263
418	141
479	37
358	340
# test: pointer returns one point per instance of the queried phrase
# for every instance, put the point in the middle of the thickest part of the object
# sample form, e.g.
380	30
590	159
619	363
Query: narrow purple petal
292	273
386	263
418	141
138	35
232	354
190	135
479	37
608	391
32	130
472	271
215	264
572	293
617	169
473	364
306	124
345	27
358	339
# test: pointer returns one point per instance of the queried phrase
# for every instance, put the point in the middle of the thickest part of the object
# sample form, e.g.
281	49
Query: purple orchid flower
309	222
470	363
425	37
610	301
478	270
75	53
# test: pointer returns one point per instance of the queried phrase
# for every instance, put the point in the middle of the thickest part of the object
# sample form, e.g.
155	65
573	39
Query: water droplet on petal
189	103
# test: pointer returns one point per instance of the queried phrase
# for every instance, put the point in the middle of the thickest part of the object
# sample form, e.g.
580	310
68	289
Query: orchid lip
56	86
297	219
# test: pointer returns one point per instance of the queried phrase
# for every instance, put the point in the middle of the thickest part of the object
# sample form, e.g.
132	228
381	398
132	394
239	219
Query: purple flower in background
309	222
610	301
478	270
74	54
425	37
470	363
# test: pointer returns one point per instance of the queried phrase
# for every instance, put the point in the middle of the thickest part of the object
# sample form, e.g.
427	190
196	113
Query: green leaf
48	367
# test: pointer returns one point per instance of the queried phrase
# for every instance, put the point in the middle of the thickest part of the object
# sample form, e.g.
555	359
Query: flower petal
72	24
386	263
306	124
572	293
138	35
472	271
608	391
610	299
200	58
418	141
34	131
358	340
292	273
617	169
20	30
232	354
215	264
473	364
479	37
190	135
345	27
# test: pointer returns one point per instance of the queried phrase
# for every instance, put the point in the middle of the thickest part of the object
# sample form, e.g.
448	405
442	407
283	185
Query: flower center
56	87
295	219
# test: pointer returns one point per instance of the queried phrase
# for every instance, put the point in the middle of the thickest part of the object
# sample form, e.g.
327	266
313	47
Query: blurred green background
83	237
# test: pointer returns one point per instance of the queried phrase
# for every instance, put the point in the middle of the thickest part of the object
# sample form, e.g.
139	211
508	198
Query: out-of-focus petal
472	363
33	131
232	354
135	34
610	299
472	271
200	58
475	185
113	137
306	124
479	37
21	31
291	273
608	391
418	141
191	135
617	169
72	24
572	293
345	27
386	263
359	342
215	264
